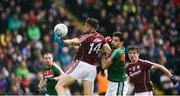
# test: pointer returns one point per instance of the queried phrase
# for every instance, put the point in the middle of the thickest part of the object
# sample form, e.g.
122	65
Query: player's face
48	59
87	28
133	55
116	43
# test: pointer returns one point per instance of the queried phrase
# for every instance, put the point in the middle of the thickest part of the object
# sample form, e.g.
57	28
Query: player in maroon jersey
139	73
90	43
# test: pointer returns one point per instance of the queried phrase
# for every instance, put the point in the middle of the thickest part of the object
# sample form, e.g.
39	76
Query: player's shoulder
45	68
144	61
98	34
56	66
128	65
119	50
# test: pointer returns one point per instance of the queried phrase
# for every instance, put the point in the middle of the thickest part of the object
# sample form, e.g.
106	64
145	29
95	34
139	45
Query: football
61	29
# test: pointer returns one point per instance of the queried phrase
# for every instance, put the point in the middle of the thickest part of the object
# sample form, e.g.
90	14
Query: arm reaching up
166	71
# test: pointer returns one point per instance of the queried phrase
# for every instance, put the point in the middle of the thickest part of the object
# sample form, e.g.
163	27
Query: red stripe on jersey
123	58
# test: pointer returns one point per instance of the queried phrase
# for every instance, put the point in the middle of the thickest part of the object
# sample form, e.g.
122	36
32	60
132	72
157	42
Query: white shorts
82	71
150	93
117	89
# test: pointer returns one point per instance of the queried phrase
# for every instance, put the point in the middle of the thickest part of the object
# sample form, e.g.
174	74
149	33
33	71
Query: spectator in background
22	71
102	82
4	80
65	58
14	23
34	32
5	39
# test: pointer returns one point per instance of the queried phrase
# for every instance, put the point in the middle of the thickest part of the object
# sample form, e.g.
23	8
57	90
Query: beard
112	46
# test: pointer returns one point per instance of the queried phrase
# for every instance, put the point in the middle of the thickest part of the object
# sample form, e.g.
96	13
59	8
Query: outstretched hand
57	38
173	79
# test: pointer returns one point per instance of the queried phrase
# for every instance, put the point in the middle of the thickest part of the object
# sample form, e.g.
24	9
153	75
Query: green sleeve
117	53
58	70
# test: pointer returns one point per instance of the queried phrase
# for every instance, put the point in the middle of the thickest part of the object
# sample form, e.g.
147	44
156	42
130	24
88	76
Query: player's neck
134	62
121	47
93	32
52	64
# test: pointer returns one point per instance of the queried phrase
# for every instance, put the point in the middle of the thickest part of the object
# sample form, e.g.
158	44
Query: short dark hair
46	53
133	48
93	22
120	35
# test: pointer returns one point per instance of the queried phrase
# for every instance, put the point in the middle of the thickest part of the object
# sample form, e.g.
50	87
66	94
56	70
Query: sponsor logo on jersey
135	73
48	73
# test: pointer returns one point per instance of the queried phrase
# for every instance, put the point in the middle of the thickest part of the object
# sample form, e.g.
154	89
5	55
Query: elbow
103	67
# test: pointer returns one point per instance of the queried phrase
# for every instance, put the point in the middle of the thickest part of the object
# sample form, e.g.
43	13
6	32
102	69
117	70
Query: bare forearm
107	50
68	42
71	42
164	69
41	84
105	62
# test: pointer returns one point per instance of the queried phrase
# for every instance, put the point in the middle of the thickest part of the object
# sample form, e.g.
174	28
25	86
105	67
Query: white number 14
94	48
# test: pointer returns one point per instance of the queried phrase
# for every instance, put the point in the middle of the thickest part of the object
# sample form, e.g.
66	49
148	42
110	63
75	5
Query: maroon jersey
139	74
91	44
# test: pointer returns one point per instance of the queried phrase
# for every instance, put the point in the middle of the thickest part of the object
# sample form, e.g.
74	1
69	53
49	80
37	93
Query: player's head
48	59
91	25
117	40
133	53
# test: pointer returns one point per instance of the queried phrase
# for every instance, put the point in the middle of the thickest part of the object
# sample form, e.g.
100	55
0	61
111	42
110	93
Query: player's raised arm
166	71
72	42
107	51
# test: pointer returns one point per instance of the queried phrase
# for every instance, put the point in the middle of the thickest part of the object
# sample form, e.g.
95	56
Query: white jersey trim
113	54
84	37
62	72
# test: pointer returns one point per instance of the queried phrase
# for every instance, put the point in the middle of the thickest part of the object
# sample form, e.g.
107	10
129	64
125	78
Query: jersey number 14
94	47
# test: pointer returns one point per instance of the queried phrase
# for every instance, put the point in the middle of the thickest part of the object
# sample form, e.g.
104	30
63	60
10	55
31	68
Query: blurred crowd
26	32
